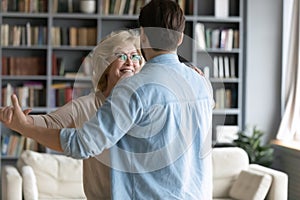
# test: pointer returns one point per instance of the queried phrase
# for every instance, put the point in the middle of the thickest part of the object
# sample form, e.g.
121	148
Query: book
73	36
236	39
91	36
206	72
226	67
215	38
112	4
8	90
4	66
216	67
228	98
200	36
232	67
105	7
117	7
4	144
64	36
220	98
122	7
19	66
54	6
223	38
221	8
131	7
208	37
28	34
221	66
82	36
4	34
229	40
4	5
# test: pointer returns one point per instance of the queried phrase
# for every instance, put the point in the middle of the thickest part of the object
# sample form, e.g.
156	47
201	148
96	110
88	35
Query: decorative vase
88	6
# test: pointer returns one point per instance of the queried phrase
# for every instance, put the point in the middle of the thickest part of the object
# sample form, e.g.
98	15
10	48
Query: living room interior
262	104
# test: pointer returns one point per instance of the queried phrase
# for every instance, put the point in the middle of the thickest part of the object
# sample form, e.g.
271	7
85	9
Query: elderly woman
116	56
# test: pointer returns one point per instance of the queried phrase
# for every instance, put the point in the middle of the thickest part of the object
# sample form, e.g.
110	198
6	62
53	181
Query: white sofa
42	176
45	176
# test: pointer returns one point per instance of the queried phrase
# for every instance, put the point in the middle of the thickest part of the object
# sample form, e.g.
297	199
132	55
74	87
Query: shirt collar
165	58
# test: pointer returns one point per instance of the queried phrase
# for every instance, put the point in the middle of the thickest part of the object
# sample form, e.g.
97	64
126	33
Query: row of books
62	93
225	98
30	94
33	94
122	7
224	67
13	145
65	6
74	36
59	68
28	6
216	38
25	35
20	66
133	7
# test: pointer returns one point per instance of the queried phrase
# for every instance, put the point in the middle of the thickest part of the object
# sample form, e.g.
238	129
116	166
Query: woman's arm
17	121
72	114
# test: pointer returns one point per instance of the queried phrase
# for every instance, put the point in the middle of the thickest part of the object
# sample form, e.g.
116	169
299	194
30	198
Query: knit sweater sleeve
72	114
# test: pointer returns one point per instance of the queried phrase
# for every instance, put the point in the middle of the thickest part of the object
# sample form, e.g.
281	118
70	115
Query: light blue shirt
157	125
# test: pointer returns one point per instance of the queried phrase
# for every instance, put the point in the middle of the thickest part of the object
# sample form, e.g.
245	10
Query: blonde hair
105	49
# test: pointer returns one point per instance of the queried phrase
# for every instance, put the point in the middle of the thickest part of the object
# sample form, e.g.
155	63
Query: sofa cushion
11	183
30	190
57	176
227	164
251	185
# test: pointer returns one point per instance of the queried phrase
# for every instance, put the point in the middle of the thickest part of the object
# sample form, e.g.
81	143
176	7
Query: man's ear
180	39
142	35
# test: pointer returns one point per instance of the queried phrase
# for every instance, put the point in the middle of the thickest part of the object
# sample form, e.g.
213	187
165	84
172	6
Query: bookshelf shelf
23	77
226	111
213	19
103	21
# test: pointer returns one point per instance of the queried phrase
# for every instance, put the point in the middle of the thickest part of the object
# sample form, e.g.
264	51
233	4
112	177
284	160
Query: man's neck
150	53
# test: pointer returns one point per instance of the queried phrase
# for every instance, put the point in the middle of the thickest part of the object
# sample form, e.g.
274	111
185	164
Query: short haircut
163	22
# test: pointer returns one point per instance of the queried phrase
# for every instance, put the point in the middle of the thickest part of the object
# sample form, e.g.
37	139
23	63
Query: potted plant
257	153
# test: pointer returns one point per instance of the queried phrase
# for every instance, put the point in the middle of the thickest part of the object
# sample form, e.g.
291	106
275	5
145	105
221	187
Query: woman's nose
128	61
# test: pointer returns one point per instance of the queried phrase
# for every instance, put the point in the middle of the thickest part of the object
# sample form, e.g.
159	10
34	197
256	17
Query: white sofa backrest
57	176
227	164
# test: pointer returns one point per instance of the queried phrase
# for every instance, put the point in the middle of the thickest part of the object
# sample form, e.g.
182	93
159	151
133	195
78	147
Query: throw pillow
250	185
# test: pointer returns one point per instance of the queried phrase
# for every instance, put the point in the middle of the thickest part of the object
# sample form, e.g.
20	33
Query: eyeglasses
123	57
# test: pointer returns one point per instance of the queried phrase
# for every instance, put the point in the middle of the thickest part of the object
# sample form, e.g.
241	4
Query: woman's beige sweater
96	176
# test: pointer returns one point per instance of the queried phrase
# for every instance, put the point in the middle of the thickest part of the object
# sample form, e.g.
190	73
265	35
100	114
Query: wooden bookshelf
51	31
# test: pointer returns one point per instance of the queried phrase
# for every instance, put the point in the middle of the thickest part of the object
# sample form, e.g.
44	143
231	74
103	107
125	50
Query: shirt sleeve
111	122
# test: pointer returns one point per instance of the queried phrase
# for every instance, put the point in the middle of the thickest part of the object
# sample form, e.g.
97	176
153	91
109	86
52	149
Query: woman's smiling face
127	62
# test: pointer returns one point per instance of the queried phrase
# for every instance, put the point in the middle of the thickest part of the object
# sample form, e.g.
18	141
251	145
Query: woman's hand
6	114
199	71
13	117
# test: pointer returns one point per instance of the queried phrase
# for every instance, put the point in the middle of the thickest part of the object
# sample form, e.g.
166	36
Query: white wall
263	65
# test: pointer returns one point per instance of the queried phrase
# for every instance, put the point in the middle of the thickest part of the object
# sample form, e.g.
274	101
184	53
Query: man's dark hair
163	22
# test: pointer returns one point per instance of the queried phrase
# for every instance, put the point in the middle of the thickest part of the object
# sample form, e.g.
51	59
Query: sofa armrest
11	183
279	186
30	190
